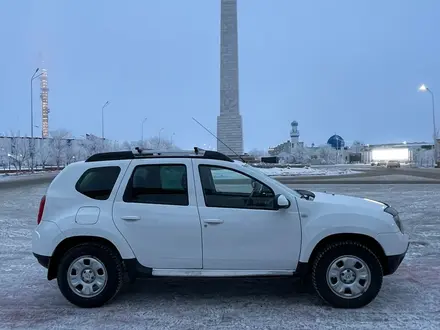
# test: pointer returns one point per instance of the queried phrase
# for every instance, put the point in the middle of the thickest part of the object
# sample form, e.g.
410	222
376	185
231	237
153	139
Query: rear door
156	211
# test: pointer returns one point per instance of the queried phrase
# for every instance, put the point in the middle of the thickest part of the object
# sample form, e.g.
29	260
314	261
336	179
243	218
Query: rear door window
158	184
98	182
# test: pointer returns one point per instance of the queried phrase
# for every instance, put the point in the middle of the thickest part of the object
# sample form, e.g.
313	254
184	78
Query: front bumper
393	262
42	260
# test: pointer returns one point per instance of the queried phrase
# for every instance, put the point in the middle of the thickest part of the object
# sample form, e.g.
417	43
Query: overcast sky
343	66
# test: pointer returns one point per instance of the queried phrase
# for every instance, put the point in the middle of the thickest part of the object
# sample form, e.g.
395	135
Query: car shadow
279	290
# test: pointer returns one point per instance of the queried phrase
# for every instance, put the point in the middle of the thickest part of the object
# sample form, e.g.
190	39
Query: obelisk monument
229	122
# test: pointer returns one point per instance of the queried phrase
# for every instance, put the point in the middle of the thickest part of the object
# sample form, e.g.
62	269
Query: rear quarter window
98	182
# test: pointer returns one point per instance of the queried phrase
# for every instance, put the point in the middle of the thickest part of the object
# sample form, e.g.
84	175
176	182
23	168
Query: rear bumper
42	260
393	262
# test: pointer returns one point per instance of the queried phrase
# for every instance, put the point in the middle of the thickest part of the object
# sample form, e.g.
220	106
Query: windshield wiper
306	194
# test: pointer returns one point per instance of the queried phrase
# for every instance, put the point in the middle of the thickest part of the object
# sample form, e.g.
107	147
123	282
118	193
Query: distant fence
19	181
13	171
269	165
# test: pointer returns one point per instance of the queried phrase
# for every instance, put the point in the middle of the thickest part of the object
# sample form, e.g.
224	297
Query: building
44	95
407	152
229	122
289	145
336	142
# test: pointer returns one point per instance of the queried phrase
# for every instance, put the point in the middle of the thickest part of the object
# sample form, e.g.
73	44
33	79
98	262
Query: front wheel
90	275
347	275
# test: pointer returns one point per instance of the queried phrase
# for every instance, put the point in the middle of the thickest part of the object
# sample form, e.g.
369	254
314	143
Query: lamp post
34	76
142	130
102	119
160	131
172	135
423	88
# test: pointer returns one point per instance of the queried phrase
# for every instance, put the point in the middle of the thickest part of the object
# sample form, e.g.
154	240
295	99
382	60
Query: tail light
41	209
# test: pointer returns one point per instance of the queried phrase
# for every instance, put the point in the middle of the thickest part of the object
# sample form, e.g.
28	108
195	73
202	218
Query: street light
102	119
423	88
34	76
160	131
142	134
172	135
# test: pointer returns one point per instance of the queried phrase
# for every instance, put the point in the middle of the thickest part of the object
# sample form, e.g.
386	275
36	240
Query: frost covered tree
70	151
327	154
257	153
300	155
43	153
58	146
91	145
20	151
423	157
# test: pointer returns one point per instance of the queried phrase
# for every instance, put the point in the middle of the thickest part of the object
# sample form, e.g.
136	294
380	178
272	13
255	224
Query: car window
223	187
98	182
158	184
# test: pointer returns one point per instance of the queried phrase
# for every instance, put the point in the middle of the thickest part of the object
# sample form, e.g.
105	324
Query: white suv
198	213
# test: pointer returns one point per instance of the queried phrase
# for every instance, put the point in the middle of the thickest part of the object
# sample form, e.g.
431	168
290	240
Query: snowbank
302	171
277	171
24	175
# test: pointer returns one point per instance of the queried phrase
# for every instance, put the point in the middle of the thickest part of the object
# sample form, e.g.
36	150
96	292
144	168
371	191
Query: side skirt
219	273
135	270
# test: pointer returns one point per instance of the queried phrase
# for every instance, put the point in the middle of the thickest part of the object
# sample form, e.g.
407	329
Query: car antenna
219	140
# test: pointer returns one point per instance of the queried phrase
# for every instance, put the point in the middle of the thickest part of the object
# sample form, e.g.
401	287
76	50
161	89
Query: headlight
395	215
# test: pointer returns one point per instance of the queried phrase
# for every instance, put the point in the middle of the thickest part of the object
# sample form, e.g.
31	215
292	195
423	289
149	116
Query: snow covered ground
410	299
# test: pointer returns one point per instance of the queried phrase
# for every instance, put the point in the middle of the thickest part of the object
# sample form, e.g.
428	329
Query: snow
409	299
24	175
302	171
293	171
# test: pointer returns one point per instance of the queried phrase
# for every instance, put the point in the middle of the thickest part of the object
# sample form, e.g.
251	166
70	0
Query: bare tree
159	143
20	150
327	154
257	153
70	151
58	145
125	146
91	145
300	155
44	152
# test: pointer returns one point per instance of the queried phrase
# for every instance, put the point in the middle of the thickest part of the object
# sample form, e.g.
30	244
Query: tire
369	278
104	275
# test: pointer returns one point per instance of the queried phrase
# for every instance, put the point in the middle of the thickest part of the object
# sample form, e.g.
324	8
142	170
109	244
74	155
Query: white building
421	153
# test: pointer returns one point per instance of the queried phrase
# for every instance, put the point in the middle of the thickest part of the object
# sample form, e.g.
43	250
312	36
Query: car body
393	164
200	214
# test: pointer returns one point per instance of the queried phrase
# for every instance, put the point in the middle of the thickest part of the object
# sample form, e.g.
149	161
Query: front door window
227	188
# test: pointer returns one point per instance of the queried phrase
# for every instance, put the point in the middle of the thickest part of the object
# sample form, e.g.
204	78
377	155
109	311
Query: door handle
131	218
213	221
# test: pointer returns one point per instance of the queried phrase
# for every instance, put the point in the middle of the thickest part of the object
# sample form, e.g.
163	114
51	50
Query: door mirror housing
281	202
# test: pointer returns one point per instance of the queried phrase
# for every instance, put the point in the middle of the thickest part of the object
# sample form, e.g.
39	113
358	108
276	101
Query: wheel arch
363	239
71	242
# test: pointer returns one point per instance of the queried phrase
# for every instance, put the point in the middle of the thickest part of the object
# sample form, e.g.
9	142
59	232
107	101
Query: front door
241	228
156	211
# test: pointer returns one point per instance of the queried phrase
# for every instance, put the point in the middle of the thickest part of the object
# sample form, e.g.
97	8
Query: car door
156	211
241	230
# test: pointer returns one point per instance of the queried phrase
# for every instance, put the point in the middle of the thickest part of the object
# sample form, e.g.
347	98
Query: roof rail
150	153
139	152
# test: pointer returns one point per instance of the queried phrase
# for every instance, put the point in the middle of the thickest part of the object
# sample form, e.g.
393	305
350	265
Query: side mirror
281	202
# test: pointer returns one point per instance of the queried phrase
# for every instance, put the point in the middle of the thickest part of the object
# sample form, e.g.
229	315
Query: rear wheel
347	275
90	275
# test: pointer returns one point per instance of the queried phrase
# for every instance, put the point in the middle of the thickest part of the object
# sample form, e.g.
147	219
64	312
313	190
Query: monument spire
229	122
